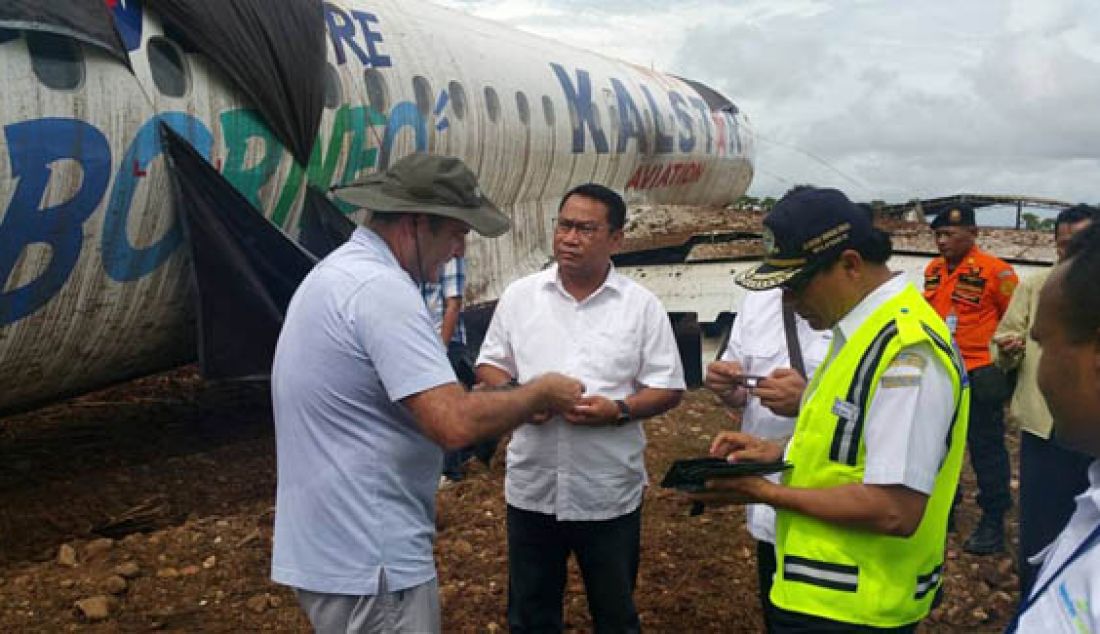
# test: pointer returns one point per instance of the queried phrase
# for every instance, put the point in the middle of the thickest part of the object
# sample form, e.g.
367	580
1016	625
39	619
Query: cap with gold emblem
808	227
959	215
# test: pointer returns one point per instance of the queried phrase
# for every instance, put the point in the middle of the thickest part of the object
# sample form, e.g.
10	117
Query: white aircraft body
94	275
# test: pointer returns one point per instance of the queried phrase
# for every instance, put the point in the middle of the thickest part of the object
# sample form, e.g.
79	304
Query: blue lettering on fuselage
343	33
687	134
123	261
368	136
404	115
579	98
631	124
127	14
664	140
33	148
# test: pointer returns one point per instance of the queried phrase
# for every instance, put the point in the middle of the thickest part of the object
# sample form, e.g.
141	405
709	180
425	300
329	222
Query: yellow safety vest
847	574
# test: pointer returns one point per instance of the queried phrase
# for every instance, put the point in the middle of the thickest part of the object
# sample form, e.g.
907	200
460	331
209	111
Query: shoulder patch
908	360
1008	287
907	380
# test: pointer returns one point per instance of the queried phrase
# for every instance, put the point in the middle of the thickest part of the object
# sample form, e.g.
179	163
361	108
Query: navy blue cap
960	215
808	227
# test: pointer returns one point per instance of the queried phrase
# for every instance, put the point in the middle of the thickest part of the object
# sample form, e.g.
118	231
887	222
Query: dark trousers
986	441
484	450
765	573
786	622
607	553
1050	478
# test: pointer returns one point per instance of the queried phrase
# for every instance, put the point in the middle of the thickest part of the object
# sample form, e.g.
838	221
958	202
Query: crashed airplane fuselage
94	279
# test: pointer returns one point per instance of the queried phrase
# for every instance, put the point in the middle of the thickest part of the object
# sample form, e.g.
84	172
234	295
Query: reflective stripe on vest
849	429
821	573
927	583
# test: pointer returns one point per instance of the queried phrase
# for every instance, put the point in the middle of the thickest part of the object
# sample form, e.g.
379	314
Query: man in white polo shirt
574	484
364	398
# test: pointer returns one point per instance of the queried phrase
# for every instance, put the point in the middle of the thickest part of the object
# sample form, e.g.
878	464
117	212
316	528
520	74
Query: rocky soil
149	506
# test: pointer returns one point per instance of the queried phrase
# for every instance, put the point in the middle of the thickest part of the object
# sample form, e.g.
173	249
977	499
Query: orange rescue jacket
977	291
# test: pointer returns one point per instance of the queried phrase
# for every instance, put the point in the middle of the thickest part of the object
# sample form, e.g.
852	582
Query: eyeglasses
584	229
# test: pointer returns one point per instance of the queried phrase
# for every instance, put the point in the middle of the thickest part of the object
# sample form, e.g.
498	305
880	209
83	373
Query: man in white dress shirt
575	484
1066	594
758	346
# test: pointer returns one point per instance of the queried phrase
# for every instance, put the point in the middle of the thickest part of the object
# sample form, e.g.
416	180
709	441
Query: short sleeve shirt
911	412
758	342
616	341
356	477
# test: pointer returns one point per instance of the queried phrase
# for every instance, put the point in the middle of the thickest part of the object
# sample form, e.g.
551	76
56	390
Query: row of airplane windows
58	63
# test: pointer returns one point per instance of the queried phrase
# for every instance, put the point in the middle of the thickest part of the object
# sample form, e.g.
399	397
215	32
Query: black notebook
692	474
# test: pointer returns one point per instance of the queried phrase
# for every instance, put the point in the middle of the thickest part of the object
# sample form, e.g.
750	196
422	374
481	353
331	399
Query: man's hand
724	491
722	379
738	446
593	410
1010	344
559	392
781	392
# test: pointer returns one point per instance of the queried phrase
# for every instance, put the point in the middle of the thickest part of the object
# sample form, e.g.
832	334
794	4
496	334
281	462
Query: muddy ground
150	505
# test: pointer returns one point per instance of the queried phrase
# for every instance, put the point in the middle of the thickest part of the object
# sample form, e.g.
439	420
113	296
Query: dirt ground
151	504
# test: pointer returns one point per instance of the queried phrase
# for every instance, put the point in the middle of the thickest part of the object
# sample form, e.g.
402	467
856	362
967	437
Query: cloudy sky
890	100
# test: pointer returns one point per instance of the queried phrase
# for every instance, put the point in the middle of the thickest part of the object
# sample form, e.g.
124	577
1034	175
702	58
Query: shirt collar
966	260
851	322
375	245
1093	492
614	281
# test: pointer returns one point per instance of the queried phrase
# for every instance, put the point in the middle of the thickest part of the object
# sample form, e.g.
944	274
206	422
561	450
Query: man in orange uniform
971	289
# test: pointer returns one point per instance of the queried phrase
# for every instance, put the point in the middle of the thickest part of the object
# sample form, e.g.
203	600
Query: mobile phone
749	380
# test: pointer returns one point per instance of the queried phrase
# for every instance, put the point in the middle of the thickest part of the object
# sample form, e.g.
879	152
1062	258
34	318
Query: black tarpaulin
323	227
274	52
245	269
89	21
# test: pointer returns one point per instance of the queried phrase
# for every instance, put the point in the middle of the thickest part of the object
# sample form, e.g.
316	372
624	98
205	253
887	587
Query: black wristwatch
624	413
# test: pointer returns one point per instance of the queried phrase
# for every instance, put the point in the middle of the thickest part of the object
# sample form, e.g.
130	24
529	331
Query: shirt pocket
617	351
760	353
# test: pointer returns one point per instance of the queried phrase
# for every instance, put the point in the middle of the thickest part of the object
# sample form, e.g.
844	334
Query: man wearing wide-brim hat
861	515
365	400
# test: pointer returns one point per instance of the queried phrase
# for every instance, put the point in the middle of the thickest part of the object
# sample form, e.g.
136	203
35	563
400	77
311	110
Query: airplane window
168	66
376	90
333	90
458	99
423	94
492	103
57	61
523	108
548	110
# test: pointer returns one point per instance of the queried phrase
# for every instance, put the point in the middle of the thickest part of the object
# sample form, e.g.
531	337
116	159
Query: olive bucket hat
427	184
